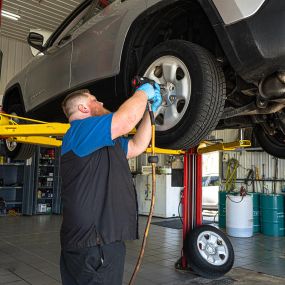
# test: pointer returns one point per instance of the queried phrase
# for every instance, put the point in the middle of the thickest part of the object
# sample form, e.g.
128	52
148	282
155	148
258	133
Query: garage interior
31	206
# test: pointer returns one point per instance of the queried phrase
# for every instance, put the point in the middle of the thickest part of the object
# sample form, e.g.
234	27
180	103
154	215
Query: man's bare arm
129	114
141	139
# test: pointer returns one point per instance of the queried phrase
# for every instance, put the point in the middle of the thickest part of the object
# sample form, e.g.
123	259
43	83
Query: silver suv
222	61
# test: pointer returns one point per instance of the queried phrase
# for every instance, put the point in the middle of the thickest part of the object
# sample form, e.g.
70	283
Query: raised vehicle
223	62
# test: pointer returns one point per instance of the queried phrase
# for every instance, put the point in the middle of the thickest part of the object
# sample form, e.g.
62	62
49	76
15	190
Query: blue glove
148	89
157	100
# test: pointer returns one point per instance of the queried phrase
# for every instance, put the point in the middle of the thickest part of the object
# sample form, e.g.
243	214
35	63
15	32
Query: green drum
272	215
222	209
256	212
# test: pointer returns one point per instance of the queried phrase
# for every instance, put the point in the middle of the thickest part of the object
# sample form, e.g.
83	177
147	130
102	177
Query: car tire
201	246
197	85
271	144
18	151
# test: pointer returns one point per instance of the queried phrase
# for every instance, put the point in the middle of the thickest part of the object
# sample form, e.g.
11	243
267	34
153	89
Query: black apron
99	199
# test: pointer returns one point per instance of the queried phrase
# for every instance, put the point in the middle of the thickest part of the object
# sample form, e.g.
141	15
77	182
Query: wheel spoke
211	259
171	114
221	249
169	71
183	88
213	239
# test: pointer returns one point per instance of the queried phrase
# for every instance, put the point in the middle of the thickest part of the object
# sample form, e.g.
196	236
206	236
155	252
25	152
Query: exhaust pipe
273	86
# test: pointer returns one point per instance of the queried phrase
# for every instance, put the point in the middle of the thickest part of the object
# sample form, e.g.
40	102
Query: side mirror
36	41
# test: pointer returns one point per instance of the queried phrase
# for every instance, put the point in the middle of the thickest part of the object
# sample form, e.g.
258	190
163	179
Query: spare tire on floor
209	251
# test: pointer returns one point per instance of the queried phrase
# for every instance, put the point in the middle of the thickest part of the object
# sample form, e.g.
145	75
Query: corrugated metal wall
255	159
16	55
264	163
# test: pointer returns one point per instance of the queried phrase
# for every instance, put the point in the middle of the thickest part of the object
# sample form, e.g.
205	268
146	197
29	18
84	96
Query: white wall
16	55
210	163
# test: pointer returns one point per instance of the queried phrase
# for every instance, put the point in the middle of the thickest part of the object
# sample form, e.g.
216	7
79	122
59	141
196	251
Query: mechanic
99	199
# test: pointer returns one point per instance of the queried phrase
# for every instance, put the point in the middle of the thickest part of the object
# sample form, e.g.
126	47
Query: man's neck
78	117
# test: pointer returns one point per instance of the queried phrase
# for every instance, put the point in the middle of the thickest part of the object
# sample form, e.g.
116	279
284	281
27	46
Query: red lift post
192	196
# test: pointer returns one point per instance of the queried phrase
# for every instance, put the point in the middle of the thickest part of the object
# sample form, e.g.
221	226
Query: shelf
45	198
256	180
47	158
45	187
46	165
11	187
13	203
45	176
12	164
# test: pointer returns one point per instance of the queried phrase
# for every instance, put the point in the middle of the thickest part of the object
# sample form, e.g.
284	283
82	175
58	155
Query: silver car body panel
106	33
232	11
62	68
48	75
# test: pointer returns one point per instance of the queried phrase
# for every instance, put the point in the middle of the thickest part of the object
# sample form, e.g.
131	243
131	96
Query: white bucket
239	216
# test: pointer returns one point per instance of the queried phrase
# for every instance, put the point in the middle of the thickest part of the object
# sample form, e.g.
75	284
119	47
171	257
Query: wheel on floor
209	251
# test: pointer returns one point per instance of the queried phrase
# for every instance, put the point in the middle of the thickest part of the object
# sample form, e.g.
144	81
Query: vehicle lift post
191	198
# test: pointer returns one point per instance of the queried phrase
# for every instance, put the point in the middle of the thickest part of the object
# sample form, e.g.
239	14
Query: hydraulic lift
43	133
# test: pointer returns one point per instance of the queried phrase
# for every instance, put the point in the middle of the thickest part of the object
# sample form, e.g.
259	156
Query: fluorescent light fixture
10	15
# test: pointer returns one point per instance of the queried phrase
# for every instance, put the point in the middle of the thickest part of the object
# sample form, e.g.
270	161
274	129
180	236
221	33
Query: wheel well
13	96
184	20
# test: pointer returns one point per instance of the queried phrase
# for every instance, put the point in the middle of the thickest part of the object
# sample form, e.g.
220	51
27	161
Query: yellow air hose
153	160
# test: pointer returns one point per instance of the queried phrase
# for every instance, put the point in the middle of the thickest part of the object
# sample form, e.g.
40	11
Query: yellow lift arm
49	134
224	146
40	133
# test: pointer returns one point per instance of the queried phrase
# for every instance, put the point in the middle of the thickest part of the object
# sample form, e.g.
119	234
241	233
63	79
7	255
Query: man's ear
83	108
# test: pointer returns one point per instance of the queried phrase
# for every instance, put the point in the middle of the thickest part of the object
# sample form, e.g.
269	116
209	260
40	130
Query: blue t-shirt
90	134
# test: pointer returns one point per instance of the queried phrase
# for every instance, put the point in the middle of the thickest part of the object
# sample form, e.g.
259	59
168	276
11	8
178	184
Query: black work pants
93	265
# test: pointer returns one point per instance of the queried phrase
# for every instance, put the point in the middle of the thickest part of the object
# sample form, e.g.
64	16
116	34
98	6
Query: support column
192	196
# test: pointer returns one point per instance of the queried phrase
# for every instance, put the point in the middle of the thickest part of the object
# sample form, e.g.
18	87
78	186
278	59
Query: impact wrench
153	159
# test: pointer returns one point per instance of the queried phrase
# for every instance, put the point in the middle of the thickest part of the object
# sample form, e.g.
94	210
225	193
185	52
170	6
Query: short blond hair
70	102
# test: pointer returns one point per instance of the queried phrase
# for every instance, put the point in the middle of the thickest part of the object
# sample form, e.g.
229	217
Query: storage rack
16	185
47	182
11	185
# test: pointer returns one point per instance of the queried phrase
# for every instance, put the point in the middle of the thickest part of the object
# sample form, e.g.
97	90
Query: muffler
273	86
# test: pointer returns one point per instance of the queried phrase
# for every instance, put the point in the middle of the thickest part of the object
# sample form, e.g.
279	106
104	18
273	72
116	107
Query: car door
98	42
49	73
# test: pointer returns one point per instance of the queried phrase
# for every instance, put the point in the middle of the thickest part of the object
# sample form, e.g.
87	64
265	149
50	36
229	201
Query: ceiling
43	14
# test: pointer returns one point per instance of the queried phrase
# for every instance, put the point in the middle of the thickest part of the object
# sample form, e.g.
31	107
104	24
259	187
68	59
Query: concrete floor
29	254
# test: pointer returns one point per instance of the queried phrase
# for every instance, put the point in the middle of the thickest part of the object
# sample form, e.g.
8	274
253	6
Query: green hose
231	174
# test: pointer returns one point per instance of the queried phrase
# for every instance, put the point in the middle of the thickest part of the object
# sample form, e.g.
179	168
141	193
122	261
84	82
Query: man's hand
148	89
157	99
153	95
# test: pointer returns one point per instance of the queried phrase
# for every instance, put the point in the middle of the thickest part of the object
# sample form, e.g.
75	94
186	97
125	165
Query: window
76	20
210	181
93	9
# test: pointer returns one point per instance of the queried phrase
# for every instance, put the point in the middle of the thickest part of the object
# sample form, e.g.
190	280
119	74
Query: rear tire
274	145
209	251
18	151
194	99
